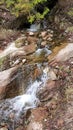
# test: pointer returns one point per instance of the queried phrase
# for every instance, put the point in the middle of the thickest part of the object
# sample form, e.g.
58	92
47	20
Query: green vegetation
27	7
70	13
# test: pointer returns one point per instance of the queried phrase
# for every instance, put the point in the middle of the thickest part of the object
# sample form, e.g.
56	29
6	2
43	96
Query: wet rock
40	55
42	52
37	73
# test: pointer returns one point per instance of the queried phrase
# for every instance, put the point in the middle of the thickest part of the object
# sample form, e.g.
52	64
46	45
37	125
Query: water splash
29	100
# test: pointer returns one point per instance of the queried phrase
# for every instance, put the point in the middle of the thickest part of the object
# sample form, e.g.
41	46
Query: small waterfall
27	100
34	27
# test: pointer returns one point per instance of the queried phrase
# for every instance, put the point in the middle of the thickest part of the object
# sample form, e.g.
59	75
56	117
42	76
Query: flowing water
27	100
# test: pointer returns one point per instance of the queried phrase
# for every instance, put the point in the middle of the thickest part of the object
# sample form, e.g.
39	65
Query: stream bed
33	91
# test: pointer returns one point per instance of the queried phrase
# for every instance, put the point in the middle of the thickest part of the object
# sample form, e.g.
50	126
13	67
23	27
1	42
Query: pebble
45	120
43	34
24	60
16	62
31	33
49	39
72	62
12	115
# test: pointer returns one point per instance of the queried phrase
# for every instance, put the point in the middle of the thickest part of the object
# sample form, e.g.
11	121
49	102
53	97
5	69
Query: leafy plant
18	7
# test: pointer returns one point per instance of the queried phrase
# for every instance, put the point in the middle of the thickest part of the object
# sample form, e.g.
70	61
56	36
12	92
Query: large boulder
5	80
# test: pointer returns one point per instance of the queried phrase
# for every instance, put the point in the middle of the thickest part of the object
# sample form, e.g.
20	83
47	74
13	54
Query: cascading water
26	101
29	100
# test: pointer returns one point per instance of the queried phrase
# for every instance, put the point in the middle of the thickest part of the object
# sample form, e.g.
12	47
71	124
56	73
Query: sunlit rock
65	53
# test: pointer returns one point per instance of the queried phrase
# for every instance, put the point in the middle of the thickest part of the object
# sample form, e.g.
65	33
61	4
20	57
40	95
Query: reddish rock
43	34
30	48
51	84
32	39
39	114
47	92
45	38
5	80
37	118
37	73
